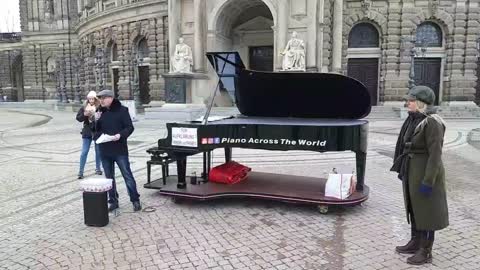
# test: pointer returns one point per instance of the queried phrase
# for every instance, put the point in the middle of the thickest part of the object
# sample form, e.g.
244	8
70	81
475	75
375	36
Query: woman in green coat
418	161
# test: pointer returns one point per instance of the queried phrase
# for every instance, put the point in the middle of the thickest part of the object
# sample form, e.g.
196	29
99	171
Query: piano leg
182	171
204	173
361	158
209	161
228	154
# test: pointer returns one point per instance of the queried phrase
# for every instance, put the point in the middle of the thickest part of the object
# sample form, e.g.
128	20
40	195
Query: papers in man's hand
213	118
105	138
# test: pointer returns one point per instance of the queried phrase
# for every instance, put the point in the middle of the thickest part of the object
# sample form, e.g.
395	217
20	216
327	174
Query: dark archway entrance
364	37
427	72
144	79
477	93
261	58
366	71
17	79
245	26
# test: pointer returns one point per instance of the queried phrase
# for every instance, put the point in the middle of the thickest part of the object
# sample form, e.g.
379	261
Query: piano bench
158	157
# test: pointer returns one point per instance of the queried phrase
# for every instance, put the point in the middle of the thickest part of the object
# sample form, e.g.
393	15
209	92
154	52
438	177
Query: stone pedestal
178	87
132	110
183	88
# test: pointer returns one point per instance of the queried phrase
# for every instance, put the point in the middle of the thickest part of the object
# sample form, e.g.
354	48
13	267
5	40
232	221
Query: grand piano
283	111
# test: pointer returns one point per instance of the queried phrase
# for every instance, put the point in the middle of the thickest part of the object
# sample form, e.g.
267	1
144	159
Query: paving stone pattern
41	218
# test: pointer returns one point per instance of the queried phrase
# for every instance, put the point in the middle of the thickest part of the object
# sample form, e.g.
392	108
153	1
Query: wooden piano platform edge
270	197
210	191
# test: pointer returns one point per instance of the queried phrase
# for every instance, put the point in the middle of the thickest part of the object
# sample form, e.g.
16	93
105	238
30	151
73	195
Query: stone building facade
69	47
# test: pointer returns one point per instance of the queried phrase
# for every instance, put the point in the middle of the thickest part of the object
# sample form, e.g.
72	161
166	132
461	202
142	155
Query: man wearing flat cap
113	119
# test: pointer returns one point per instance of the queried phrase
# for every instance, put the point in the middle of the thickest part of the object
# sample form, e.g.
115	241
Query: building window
363	35
93	51
429	34
114	52
143	50
111	53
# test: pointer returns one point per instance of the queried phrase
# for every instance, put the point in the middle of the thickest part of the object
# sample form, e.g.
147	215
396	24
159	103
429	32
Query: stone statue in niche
51	68
182	59
294	54
49	10
51	65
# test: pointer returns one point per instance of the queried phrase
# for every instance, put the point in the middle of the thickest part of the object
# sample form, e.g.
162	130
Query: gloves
426	190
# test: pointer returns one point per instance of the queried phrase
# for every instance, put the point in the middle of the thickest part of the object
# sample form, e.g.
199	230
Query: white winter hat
92	94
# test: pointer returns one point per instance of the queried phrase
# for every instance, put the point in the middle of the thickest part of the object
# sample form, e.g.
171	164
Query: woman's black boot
424	253
412	246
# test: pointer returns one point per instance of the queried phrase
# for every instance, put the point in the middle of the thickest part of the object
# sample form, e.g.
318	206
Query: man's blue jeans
124	165
86	142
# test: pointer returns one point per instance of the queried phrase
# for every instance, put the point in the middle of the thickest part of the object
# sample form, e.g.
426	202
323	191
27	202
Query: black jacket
87	125
114	120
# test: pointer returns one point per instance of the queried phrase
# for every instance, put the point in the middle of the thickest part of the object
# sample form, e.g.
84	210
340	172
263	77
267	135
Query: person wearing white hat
86	115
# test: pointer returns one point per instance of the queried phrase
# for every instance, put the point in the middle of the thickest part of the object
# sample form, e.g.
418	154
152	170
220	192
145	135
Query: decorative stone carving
48	6
294	54
49	10
366	4
182	60
433	7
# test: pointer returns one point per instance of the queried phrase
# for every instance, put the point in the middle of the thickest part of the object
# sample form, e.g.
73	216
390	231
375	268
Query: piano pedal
323	209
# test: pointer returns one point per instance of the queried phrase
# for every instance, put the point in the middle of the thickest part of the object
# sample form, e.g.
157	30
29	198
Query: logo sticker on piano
184	137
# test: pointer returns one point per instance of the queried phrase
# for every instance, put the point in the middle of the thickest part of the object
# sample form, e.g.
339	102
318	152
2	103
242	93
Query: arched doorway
17	78
111	55
429	36
363	57
477	87
92	74
246	26
143	52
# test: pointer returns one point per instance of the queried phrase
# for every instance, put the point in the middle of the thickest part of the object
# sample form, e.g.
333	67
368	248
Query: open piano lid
292	94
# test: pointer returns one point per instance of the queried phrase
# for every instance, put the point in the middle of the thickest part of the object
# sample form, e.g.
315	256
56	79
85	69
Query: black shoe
137	206
98	172
80	176
410	248
112	207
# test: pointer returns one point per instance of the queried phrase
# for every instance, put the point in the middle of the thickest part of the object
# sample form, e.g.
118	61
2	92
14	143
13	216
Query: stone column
337	36
321	25
282	30
198	36
173	26
80	5
35	15
311	54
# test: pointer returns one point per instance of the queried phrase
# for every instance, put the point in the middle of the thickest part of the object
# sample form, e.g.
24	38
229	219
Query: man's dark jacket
114	120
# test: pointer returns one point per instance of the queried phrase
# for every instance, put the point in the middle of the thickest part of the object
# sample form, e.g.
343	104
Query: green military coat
425	166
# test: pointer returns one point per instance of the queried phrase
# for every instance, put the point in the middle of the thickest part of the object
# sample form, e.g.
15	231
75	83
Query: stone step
40	105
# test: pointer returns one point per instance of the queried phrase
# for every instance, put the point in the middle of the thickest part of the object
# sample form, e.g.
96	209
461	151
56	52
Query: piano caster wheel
323	209
176	200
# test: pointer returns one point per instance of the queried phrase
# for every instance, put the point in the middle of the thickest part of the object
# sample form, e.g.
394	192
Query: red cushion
228	173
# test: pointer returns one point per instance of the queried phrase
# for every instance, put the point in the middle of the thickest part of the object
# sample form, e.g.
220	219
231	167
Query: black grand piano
279	111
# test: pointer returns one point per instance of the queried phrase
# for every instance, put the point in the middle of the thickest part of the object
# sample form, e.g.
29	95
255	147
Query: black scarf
406	134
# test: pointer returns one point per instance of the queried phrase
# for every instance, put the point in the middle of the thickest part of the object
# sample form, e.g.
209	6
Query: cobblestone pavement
41	217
